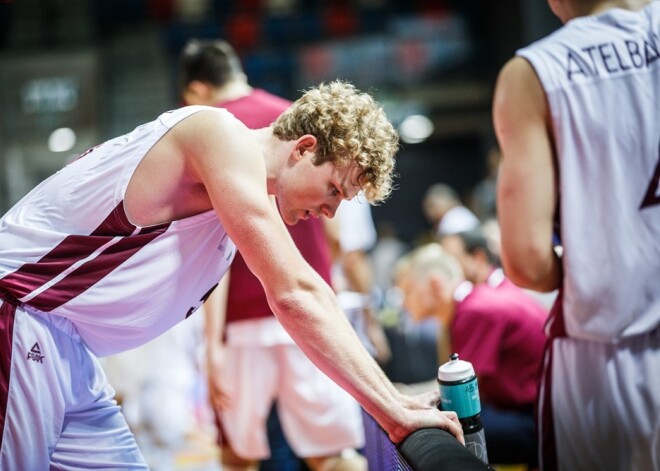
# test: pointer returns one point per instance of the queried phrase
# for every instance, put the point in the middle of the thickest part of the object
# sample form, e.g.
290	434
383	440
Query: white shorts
60	413
604	405
317	416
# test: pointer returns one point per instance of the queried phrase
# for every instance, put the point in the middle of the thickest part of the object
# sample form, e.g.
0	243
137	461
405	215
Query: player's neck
632	5
276	153
231	91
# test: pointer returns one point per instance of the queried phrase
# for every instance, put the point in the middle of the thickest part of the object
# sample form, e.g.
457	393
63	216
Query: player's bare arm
304	303
215	311
163	187
527	191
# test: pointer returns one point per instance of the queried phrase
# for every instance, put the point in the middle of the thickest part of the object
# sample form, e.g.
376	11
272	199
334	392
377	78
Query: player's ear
481	256
196	93
559	8
437	284
306	143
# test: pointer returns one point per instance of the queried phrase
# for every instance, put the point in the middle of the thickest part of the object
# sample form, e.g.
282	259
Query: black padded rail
433	449
428	449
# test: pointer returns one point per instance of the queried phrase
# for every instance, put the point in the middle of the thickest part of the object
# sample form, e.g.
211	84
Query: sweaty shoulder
519	96
207	124
218	151
212	134
517	76
169	183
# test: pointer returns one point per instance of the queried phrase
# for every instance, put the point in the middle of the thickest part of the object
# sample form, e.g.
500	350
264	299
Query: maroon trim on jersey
555	328
90	273
548	445
73	249
88	151
116	224
7	313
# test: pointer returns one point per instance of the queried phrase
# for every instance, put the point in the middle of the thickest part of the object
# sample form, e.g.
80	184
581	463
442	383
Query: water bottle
459	392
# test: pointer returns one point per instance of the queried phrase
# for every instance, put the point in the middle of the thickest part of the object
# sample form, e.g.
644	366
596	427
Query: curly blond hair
350	128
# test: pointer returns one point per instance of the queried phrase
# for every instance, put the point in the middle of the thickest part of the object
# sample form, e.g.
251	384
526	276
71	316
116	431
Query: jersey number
652	196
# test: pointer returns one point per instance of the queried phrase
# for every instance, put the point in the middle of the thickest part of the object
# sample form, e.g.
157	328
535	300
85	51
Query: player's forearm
321	330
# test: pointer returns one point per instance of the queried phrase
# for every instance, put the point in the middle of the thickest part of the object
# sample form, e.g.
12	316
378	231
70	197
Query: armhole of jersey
546	79
167	120
539	68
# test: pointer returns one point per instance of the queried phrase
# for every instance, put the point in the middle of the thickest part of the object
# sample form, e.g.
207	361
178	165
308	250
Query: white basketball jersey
68	249
601	75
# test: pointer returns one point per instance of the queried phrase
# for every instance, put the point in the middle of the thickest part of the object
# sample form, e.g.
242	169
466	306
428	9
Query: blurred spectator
352	278
491	230
499	329
483	198
253	362
480	265
384	255
161	389
477	261
446	212
413	345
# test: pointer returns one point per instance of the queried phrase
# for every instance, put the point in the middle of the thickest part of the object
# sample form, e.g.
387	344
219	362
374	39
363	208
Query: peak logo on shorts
35	353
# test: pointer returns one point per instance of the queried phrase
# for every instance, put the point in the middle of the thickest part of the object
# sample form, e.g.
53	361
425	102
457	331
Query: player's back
69	249
601	75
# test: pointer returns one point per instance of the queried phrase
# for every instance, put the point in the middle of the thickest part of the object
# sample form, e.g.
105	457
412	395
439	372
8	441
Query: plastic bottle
459	392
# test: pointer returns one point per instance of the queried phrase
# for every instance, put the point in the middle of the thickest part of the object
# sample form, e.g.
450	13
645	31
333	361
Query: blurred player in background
253	362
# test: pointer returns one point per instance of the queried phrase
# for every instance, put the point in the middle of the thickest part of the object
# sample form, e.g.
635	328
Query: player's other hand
421	411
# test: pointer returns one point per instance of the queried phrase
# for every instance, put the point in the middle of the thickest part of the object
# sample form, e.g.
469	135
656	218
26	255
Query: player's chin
291	219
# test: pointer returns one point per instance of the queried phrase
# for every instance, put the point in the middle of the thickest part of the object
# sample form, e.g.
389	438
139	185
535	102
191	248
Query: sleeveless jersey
601	76
68	248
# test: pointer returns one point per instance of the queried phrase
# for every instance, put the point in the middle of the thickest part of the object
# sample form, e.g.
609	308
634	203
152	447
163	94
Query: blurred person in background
446	212
576	116
253	362
480	265
384	256
483	197
497	327
353	235
472	250
160	387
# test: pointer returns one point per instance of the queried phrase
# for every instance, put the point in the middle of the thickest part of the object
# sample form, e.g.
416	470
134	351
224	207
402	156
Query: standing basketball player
129	239
577	116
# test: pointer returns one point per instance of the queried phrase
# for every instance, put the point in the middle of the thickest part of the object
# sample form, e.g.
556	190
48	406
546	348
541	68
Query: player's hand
217	396
421	412
428	397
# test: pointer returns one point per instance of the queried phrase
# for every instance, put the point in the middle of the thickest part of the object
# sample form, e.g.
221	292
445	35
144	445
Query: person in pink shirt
494	325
